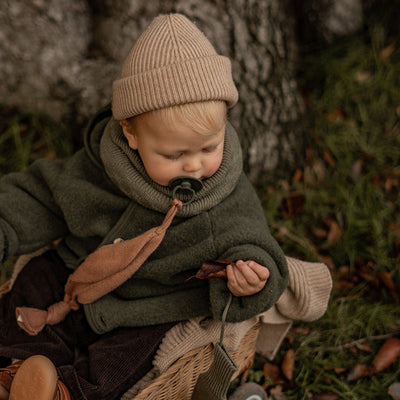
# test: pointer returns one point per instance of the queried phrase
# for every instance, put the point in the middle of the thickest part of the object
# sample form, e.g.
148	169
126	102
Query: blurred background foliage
342	207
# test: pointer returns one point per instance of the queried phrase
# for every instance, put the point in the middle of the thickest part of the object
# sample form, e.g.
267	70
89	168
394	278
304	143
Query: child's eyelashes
209	149
173	157
177	156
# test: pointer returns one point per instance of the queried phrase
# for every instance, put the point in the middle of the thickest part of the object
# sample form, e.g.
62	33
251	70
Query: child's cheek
214	166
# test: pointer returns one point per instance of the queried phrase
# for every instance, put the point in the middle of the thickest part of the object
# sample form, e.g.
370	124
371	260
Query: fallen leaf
272	372
391	183
385	357
300	330
394	390
292	204
328	260
336	115
335	233
359	371
328	158
288	364
324	396
387	279
277	393
298	175
356	170
319	232
343	272
362	76
386	52
387	354
367	273
212	269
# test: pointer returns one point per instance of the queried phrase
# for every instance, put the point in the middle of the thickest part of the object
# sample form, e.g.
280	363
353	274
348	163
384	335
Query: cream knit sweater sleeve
307	294
306	298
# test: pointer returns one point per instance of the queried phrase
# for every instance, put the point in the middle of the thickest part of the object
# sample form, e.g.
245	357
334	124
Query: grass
353	158
342	207
27	137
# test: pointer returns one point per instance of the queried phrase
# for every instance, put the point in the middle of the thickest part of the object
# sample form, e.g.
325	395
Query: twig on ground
360	341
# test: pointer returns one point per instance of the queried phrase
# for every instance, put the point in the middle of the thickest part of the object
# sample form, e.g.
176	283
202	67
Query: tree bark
61	56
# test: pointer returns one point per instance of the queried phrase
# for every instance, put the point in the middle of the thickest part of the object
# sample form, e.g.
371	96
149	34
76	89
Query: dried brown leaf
319	232
272	372
212	269
387	354
362	76
324	396
292	204
385	357
297	177
386	52
391	183
328	158
337	115
328	260
359	371
277	393
335	233
288	364
387	279
356	170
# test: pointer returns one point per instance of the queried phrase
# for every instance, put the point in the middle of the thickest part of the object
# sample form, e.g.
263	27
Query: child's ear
129	134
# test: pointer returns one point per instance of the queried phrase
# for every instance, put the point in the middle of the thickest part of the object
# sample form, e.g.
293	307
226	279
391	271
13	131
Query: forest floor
342	208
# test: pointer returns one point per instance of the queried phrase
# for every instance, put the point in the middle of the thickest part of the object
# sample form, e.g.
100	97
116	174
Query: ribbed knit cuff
310	285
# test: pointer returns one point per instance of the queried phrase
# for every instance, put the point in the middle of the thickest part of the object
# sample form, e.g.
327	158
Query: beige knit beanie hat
171	63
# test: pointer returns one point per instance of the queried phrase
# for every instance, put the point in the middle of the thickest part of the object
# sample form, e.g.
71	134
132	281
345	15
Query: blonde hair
205	117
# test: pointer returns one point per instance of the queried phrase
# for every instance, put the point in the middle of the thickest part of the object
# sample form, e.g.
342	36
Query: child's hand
246	277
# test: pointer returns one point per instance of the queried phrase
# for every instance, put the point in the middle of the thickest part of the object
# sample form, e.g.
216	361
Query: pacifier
186	186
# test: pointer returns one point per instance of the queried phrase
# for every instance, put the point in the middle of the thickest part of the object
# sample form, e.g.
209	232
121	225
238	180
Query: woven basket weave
178	382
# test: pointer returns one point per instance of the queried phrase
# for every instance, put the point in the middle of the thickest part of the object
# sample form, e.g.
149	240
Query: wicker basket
178	382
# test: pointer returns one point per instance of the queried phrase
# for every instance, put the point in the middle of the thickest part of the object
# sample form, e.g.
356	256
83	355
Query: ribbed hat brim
201	79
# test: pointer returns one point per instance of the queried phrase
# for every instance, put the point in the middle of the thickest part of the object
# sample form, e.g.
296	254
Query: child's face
168	151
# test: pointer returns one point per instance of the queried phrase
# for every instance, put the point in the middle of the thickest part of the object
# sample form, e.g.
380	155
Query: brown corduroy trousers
92	366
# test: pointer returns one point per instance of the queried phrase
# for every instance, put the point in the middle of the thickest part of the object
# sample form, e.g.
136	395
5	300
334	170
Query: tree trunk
61	56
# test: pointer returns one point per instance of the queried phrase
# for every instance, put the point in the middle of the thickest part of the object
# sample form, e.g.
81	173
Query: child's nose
192	164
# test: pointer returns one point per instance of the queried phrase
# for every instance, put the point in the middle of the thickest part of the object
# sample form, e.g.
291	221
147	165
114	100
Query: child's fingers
236	283
261	271
246	278
235	277
253	272
248	273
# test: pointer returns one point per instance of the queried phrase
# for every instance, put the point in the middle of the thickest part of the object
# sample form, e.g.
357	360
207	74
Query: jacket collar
124	167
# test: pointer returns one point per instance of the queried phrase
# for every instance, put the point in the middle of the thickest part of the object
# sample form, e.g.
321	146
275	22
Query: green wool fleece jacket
103	193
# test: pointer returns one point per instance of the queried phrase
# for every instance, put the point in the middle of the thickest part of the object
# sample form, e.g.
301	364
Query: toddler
166	138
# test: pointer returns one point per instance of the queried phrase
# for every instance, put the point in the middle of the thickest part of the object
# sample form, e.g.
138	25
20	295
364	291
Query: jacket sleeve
29	216
241	232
